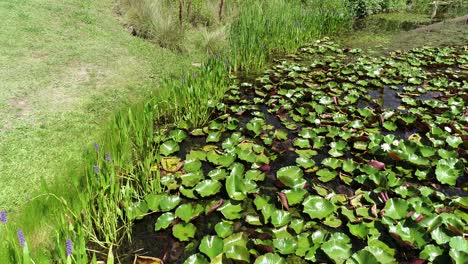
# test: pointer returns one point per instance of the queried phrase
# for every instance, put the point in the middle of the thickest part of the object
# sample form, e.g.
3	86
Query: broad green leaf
331	162
305	162
169	147
445	173
153	200
164	221
301	143
178	135
191	179
213	136
169	202
184	232
224	229
280	218
196	259
211	246
430	252
192	165
318	207
459	243
270	258
396	208
411	233
326	175
208	187
291	176
381	251
235	247
362	257
454	141
187	211
337	247
235	185
217	174
230	211
295	196
286	245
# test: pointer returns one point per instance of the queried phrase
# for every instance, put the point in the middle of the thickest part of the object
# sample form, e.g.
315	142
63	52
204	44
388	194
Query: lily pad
184	232
169	147
291	176
318	207
211	246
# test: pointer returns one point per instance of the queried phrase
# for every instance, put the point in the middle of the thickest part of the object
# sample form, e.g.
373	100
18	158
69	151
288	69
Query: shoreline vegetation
95	207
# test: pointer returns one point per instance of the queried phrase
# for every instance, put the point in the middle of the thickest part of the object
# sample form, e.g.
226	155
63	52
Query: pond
330	155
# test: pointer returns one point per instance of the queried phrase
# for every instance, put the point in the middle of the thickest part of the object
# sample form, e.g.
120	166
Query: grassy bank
67	67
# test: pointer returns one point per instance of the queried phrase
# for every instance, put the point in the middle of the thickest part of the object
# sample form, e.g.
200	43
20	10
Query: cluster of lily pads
330	156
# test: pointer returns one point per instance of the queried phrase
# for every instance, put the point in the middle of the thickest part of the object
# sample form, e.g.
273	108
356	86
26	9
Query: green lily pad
184	232
295	196
230	211
318	207
164	221
192	178
396	208
337	247
196	259
224	229
186	212
362	257
169	202
301	143
235	184
431	252
285	246
454	141
291	176
213	136
211	246
270	258
305	162
217	174
177	135
235	247
208	187
280	218
169	147
326	175
446	173
192	165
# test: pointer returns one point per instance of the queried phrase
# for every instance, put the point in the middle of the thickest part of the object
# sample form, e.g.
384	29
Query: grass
263	29
69	66
64	77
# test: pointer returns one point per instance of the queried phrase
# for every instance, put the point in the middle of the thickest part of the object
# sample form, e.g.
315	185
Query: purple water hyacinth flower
96	169
96	146
69	247
21	239
3	217
108	157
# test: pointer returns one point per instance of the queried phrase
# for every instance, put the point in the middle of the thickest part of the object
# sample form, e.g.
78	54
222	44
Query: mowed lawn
65	68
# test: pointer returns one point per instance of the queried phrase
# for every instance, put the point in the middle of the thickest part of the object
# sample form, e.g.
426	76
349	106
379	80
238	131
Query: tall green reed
266	28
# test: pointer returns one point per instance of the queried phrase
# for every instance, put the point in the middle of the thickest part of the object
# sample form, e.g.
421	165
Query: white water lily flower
386	147
448	129
317	121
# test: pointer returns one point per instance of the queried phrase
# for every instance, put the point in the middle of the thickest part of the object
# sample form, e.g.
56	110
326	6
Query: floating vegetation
330	156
